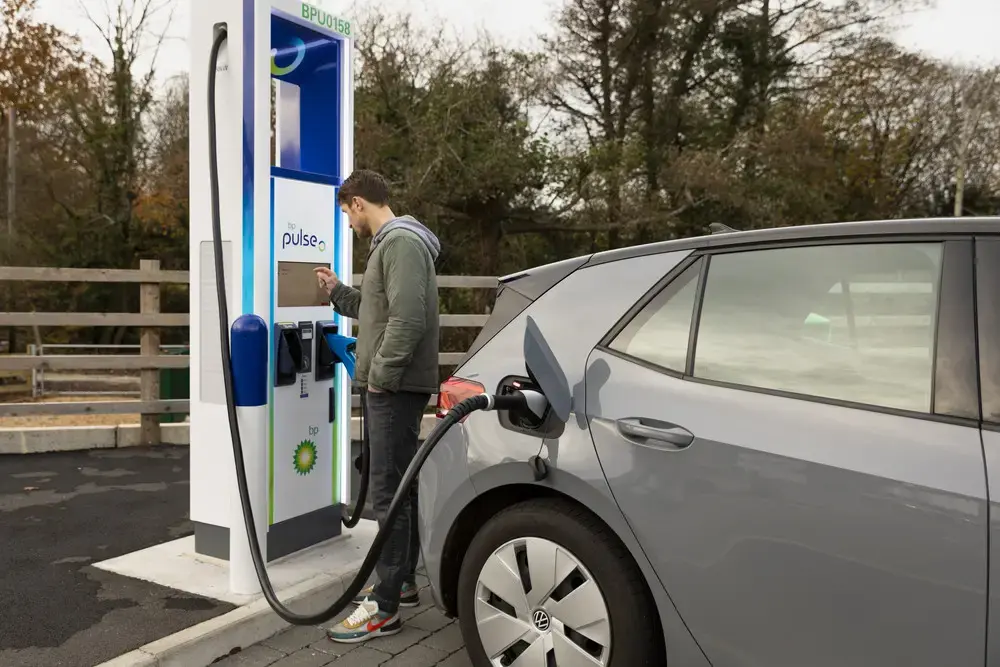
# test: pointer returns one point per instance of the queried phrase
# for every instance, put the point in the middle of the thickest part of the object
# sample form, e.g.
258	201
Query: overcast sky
956	30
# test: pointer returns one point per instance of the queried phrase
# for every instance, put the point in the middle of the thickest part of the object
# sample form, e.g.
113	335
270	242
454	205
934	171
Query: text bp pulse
301	239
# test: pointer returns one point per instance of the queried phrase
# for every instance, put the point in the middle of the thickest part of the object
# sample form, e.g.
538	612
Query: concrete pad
174	434
132	659
36	440
176	565
308	581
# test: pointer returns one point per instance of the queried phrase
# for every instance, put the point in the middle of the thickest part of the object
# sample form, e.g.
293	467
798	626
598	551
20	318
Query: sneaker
409	597
366	622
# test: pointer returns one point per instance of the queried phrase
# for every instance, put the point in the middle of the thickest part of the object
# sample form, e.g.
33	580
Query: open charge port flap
289	355
326	360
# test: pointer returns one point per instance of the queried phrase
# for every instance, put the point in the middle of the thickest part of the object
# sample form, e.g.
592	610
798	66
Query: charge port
519	419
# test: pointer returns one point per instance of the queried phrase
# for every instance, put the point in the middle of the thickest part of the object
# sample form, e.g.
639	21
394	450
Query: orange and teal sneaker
408	597
366	622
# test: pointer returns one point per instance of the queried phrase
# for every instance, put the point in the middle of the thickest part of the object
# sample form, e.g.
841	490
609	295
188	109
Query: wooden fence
14	382
150	320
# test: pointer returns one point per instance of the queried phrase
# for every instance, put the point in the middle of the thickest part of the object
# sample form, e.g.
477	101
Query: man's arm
346	300
405	279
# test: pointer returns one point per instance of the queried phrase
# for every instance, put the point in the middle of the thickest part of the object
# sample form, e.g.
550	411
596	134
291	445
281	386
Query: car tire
631	629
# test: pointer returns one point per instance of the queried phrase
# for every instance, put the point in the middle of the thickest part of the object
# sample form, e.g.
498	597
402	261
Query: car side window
846	322
659	333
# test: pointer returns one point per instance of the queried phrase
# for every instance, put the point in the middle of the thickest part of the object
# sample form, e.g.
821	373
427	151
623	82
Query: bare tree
113	143
974	95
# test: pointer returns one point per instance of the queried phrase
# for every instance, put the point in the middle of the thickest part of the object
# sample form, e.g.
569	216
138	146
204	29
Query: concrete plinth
176	565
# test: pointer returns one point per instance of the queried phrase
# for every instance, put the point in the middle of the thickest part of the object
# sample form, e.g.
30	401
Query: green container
175	383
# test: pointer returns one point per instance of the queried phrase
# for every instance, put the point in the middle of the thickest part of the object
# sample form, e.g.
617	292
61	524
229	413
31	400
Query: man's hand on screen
327	278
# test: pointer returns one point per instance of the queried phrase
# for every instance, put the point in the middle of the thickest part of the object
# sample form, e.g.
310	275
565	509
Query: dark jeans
393	432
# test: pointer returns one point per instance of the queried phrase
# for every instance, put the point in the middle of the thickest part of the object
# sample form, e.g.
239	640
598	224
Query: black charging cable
363	465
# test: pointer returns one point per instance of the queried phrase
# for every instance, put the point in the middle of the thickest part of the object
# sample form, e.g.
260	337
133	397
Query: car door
791	433
988	315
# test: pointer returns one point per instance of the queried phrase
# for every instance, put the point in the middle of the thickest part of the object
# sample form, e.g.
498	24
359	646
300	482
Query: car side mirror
544	370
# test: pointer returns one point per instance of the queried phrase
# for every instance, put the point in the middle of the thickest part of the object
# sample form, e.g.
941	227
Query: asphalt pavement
59	514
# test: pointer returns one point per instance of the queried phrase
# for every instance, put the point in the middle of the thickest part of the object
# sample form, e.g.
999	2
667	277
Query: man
397	360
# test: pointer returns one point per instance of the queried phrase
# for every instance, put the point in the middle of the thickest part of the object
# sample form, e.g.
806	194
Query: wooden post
11	174
11	197
149	303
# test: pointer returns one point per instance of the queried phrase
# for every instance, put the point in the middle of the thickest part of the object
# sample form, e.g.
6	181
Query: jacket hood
412	224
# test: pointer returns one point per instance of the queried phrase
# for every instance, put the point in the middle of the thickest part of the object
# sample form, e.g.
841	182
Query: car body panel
988	330
576	472
896	230
498	457
796	530
444	490
760	551
793	532
607	291
539	280
991	448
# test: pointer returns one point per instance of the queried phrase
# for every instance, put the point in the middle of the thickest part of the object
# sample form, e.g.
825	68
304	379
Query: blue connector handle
343	350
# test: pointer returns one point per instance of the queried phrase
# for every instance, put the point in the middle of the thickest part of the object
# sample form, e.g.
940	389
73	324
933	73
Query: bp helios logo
299	239
298	47
304	459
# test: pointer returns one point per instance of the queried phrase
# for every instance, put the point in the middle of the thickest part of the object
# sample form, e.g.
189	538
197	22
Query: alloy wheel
538	606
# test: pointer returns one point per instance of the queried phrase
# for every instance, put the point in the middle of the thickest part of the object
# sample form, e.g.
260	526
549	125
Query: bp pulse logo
298	47
297	238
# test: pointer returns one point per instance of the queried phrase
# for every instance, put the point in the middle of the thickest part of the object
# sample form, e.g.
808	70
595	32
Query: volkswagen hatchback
780	454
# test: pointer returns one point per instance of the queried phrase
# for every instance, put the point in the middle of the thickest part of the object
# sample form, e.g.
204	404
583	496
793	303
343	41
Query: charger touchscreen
298	286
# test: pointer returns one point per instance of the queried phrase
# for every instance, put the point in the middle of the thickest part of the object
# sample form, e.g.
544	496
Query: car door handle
654	432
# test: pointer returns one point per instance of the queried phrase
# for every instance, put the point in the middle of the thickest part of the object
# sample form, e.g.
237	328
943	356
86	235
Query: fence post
149	388
35	385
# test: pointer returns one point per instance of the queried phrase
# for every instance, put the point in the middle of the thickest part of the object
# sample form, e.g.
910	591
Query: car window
848	322
659	332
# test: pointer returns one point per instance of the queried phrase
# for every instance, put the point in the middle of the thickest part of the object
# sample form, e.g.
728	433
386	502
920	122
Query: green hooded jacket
396	309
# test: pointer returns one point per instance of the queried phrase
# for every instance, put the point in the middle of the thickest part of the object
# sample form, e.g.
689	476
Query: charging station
279	221
271	360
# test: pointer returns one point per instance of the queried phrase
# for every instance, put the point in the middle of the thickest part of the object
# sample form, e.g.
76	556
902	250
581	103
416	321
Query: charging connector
524	399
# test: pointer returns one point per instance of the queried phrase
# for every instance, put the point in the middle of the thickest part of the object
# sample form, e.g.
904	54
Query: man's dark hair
369	185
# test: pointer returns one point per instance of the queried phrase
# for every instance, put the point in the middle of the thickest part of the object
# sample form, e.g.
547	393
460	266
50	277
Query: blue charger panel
311	62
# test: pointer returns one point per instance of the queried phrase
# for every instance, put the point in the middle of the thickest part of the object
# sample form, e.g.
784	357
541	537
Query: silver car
780	454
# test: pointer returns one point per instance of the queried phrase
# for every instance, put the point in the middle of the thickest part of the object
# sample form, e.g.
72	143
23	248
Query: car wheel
545	584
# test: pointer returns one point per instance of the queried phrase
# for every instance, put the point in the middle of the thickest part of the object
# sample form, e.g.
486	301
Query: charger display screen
298	286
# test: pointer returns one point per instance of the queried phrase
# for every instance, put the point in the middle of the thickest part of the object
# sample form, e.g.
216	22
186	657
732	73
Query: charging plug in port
520	417
523	420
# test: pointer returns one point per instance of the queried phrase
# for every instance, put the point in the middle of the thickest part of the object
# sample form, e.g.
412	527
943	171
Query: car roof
868	228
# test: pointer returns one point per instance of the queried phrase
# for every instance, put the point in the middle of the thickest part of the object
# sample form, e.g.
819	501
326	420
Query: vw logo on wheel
541	620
